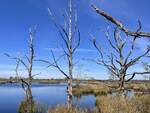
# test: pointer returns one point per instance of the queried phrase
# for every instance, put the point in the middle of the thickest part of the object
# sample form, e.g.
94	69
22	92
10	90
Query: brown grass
110	104
64	109
94	89
119	104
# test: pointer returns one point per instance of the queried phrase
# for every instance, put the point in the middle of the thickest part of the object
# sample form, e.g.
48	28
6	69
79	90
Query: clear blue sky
16	16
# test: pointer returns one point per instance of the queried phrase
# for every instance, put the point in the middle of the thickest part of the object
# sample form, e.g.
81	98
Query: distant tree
70	35
116	61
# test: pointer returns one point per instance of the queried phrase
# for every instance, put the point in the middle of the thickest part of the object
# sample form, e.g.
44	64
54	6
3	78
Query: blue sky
16	16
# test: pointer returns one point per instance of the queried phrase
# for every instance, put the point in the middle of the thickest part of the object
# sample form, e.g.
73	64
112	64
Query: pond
48	95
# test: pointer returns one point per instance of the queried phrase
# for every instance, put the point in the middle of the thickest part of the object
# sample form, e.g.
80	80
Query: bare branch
97	47
60	29
17	59
120	25
78	42
138	58
110	42
25	85
57	66
55	63
36	74
136	73
131	50
27	58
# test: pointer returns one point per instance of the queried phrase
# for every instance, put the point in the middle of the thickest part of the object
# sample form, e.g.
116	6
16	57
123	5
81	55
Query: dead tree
118	60
120	25
28	64
70	35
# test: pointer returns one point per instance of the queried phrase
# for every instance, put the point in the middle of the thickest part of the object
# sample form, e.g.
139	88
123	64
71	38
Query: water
126	93
48	95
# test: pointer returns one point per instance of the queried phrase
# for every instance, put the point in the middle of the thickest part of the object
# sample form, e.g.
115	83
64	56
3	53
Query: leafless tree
120	25
27	82
70	35
118	60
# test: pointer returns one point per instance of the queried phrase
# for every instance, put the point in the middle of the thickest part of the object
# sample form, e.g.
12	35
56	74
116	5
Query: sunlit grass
94	89
64	109
120	104
110	104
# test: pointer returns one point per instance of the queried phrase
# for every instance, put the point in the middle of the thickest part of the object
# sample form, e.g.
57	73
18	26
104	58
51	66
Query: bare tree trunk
70	63
30	65
30	59
69	95
30	97
121	84
69	81
68	34
30	101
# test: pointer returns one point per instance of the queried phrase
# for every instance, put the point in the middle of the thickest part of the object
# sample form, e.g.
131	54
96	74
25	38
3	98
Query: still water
48	95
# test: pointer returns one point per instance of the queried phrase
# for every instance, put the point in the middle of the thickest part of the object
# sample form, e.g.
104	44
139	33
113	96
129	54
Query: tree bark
69	95
30	101
70	57
121	83
70	79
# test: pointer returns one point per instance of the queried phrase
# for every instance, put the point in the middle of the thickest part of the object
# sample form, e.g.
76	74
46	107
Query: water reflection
45	95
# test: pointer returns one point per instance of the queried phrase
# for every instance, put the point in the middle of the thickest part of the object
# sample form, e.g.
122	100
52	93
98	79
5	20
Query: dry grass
139	86
64	109
94	89
119	104
103	88
109	104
